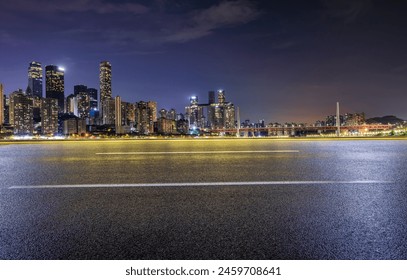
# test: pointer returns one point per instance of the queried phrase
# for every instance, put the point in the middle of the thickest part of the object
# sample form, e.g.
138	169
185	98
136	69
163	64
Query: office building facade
105	83
35	79
2	101
49	116
55	85
21	113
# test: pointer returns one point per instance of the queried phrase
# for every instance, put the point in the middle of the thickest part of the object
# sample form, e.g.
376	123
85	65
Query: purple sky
277	60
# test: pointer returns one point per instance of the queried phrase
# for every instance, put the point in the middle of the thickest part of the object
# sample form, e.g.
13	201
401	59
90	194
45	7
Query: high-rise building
145	116
36	113
229	116
1	105
93	99
72	104
118	115
55	86
49	116
83	101
221	96
194	113
129	113
211	95
163	113
35	79
6	103
220	115
74	125
152	107
108	109
352	119
78	89
21	113
172	114
105	80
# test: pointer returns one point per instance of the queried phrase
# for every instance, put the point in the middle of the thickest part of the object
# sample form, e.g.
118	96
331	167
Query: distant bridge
294	130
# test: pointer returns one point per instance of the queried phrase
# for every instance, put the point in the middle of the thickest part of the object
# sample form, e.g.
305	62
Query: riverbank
41	141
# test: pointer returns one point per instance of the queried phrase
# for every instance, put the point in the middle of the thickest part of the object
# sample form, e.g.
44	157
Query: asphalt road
210	199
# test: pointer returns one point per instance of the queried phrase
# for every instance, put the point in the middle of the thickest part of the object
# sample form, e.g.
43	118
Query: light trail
202	184
199	152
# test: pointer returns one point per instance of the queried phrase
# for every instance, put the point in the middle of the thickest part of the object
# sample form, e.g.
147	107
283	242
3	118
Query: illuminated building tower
118	115
21	113
354	119
221	96
221	115
229	116
194	113
108	109
1	105
93	99
105	83
34	90
55	86
74	125
145	116
36	110
35	79
6	103
83	101
193	100
127	114
211	109
49	116
163	113
218	116
152	115
72	105
142	118
131	114
166	123
83	105
172	114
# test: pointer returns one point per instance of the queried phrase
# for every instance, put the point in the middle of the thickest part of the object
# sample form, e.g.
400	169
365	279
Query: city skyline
288	61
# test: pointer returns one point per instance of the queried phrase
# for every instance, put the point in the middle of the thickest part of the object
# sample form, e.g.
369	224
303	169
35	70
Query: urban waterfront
204	199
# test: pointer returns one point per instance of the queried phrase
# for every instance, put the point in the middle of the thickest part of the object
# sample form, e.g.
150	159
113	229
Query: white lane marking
197	184
198	152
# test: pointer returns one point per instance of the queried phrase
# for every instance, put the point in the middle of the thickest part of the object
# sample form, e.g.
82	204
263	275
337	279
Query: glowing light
61	69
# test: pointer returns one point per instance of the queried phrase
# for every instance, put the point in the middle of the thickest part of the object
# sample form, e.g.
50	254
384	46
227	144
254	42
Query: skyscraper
221	96
105	81
55	85
93	97
21	113
211	97
35	79
194	113
78	89
83	101
49	116
108	109
145	116
1	105
72	104
118	115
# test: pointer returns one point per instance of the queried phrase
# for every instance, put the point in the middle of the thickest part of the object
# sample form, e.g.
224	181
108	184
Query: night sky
281	61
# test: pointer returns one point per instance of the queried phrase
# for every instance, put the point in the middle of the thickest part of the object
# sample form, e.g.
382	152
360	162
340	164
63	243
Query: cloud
97	6
202	23
128	24
348	11
8	39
